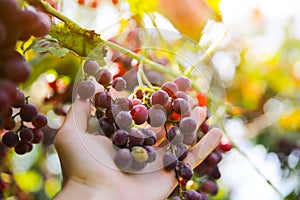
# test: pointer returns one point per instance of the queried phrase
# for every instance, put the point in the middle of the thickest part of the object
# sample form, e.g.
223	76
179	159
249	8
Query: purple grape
136	137
106	128
183	83
19	101
154	77
204	127
213	159
119	84
91	67
10	88
168	109
120	138
26	135
124	103
8	123
28	112
192	195
123	120
10	139
86	89
169	161
180	106
189	139
137	166
156	116
210	187
42	26
174	136
176	198
28	19
187	125
160	97
123	159
109	115
16	70
23	147
151	153
182	95
5	112
186	171
216	174
149	136
181	151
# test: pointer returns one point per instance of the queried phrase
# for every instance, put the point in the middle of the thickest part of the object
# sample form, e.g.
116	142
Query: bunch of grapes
130	122
18	24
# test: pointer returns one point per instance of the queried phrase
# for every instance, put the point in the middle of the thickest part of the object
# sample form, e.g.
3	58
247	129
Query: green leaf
48	45
85	43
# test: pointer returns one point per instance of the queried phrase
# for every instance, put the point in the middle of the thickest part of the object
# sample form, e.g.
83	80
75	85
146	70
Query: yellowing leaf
85	43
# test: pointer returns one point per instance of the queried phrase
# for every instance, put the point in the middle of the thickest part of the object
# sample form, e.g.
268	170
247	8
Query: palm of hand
88	160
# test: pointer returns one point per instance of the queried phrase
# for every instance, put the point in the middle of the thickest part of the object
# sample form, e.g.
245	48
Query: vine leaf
47	45
85	43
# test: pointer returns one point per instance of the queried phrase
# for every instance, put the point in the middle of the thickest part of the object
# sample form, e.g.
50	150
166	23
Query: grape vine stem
46	7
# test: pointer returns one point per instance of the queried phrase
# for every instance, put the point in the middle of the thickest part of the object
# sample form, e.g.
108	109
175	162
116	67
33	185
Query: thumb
75	121
204	147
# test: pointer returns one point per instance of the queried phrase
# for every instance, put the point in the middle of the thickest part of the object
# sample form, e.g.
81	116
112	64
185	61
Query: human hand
89	171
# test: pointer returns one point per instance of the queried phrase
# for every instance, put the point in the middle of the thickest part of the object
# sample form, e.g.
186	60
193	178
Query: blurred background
256	56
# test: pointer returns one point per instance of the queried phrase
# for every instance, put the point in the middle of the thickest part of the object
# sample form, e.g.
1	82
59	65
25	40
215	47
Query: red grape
139	114
103	100
38	136
170	87
39	121
160	97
